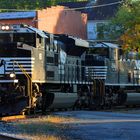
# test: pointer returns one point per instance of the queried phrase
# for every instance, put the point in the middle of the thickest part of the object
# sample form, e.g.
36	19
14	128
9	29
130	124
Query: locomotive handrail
23	70
29	82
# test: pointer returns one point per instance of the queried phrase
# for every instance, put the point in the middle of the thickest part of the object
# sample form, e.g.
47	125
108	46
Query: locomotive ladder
98	91
98	75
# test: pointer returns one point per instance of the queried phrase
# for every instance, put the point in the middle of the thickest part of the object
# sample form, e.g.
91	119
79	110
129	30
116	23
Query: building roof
17	15
75	4
95	13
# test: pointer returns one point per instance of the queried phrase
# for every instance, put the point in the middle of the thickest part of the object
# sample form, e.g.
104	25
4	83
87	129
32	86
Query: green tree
125	26
29	4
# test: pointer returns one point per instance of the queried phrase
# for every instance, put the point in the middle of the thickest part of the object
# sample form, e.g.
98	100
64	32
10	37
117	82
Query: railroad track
5	137
18	117
123	109
11	118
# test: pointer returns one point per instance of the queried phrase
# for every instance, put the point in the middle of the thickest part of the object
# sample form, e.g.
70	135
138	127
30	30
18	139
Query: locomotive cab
16	68
9	83
106	50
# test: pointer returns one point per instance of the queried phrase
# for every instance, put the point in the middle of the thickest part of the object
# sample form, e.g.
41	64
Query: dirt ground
78	125
103	125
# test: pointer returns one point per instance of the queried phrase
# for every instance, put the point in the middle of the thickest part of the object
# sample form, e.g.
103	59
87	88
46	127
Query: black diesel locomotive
40	71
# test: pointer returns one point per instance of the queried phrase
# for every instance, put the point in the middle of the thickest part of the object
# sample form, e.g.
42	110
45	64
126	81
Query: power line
95	6
68	9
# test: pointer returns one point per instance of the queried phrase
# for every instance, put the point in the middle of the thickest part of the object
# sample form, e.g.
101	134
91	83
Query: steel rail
6	137
12	118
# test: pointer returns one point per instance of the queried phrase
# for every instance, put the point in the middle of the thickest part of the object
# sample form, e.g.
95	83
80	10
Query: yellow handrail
29	78
23	70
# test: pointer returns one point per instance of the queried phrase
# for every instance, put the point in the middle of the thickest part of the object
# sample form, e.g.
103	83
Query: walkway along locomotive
40	71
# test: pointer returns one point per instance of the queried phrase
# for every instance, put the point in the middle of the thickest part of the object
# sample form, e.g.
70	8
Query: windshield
27	38
104	52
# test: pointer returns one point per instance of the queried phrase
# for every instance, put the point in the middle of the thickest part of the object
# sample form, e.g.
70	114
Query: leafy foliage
125	26
6	5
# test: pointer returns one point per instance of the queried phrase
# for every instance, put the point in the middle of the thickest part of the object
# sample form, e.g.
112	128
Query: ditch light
12	75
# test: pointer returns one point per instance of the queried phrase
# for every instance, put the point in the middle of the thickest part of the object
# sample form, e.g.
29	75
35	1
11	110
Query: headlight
5	27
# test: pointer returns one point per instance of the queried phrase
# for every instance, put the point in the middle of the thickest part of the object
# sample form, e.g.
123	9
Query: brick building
56	19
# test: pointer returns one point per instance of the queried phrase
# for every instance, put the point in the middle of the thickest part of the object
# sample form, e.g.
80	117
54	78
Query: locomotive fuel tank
61	100
132	99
